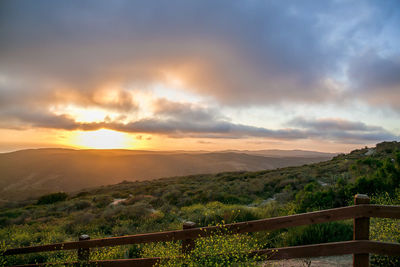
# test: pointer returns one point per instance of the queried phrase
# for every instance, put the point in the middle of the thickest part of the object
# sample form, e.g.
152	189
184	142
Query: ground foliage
159	205
385	229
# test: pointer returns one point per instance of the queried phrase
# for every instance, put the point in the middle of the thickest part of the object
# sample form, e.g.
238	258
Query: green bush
216	212
102	201
52	198
313	197
3	248
138	210
82	204
385	230
216	250
318	233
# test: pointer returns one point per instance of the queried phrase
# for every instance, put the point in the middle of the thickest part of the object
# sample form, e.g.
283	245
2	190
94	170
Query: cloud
330	124
343	130
185	111
230	54
205	142
377	78
184	120
239	52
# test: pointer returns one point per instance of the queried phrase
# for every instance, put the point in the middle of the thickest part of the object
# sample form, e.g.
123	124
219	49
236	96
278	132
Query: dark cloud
377	78
333	124
181	120
343	130
37	97
185	111
239	52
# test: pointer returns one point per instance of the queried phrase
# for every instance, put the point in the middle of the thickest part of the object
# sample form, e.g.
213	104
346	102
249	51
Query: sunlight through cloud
103	139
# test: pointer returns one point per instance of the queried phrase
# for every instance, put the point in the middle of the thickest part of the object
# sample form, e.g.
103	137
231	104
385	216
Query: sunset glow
250	74
102	139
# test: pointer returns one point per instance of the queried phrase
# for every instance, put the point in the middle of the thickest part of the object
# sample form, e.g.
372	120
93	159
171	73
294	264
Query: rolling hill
33	172
208	199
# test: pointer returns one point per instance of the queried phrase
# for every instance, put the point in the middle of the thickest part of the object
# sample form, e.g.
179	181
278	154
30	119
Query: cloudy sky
318	75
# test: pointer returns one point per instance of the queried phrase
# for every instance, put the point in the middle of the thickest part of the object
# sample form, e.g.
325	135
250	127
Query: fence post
361	232
83	253
188	244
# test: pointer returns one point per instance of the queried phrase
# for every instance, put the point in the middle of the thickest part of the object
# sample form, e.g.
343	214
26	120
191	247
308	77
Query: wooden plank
298	219
332	249
145	262
383	211
384	248
317	250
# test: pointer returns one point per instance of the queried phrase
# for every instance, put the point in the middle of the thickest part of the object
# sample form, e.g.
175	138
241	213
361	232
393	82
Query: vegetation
24	175
150	206
52	198
216	250
387	230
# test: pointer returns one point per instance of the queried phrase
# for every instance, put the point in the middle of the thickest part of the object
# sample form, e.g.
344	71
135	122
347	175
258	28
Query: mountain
34	172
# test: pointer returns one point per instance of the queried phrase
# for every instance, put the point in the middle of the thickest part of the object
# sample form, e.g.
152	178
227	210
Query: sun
102	139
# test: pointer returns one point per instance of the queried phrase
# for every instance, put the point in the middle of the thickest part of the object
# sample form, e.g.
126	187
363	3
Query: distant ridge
265	152
33	172
285	153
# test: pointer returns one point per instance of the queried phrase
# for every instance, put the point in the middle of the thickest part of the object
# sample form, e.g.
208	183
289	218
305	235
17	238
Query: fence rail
360	247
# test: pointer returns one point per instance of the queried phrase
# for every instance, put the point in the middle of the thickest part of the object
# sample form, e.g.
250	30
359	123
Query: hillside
31	173
163	204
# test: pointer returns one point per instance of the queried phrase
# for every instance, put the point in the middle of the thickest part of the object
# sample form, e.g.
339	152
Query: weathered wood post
83	253
361	232
188	244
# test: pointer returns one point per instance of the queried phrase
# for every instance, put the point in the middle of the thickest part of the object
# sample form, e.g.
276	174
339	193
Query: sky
199	75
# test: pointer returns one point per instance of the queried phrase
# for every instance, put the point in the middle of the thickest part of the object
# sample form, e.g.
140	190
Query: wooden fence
360	246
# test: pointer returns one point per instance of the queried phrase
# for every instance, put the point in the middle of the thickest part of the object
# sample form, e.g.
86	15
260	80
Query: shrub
318	233
3	248
82	194
102	201
120	194
215	212
138	210
52	198
313	199
82	204
216	250
84	218
386	230
112	212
